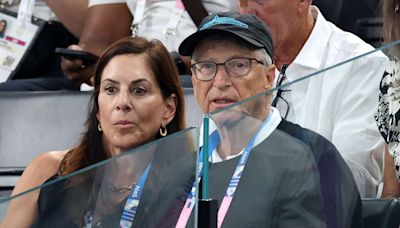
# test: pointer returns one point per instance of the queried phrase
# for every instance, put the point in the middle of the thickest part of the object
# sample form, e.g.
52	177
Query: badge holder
15	42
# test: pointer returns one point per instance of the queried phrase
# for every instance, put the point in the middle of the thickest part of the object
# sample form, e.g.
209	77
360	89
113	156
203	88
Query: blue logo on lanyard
223	20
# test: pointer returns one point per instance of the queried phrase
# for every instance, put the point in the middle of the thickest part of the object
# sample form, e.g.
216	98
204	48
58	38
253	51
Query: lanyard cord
231	190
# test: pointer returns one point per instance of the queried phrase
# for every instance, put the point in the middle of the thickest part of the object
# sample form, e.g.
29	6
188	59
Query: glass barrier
319	173
147	185
260	176
340	103
291	175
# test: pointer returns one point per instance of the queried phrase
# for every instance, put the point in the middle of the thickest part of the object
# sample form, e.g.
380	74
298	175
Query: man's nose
222	78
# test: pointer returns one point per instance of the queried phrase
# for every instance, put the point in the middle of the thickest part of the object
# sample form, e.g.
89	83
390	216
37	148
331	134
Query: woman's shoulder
47	162
39	170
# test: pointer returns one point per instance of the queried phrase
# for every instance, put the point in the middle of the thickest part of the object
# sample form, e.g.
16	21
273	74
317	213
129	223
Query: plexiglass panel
254	165
338	151
148	184
340	103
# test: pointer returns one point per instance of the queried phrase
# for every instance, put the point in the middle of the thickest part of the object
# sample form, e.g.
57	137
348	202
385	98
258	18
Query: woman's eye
110	90
139	91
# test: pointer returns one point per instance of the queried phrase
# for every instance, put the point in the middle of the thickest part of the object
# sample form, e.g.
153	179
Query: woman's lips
124	124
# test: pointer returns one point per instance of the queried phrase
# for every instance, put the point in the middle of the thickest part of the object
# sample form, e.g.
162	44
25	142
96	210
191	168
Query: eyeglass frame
194	68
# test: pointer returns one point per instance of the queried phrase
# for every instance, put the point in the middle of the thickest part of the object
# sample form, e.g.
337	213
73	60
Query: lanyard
172	23
25	12
174	19
132	204
191	200
234	182
138	17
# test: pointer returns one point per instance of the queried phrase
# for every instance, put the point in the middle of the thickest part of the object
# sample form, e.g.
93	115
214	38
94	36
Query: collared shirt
261	136
158	12
340	103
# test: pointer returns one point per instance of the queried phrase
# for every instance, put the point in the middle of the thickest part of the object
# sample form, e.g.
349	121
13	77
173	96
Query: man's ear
170	109
270	74
304	6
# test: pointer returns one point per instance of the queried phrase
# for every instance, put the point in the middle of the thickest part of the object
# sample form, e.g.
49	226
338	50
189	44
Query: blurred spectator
155	19
109	20
338	105
388	114
41	61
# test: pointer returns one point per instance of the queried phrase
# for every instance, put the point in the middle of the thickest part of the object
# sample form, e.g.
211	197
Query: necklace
122	189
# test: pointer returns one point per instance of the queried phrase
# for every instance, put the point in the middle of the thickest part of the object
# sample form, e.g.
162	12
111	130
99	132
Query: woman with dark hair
388	114
137	99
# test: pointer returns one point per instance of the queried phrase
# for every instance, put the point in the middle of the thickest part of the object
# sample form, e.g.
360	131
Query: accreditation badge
15	42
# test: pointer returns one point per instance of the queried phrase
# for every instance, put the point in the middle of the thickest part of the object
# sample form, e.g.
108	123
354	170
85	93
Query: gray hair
267	59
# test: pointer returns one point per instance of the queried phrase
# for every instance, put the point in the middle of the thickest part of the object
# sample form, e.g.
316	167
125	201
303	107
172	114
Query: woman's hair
391	25
90	150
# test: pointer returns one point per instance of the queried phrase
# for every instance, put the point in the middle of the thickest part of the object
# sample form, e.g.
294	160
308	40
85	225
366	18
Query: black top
294	178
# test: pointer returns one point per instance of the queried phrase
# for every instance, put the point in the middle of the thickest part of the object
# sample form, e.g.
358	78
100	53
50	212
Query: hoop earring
99	128
163	131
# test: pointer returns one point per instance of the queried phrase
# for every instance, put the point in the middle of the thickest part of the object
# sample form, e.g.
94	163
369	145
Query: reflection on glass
339	102
257	167
149	183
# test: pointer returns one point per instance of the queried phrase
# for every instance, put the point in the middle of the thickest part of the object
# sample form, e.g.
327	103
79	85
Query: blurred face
131	107
282	16
2	26
225	90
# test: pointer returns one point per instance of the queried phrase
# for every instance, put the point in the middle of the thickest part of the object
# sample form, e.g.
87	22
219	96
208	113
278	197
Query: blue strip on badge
132	204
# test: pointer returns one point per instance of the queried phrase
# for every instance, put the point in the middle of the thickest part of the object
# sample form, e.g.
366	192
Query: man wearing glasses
279	182
340	103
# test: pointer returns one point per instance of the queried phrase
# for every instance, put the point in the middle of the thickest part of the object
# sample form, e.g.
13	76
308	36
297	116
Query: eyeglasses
235	67
281	78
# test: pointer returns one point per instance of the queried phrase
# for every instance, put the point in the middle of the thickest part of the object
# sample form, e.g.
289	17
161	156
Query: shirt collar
262	135
312	53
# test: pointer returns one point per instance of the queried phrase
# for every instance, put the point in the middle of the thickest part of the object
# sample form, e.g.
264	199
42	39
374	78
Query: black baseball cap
245	26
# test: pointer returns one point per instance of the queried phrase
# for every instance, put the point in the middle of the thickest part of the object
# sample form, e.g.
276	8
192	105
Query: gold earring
99	128
163	131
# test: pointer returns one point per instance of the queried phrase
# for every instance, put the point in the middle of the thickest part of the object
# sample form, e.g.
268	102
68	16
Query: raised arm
72	14
104	25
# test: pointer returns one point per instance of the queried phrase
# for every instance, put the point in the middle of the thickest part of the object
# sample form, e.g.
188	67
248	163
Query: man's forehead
208	48
215	51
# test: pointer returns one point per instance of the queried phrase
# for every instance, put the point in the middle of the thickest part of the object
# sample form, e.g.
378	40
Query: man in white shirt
339	103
